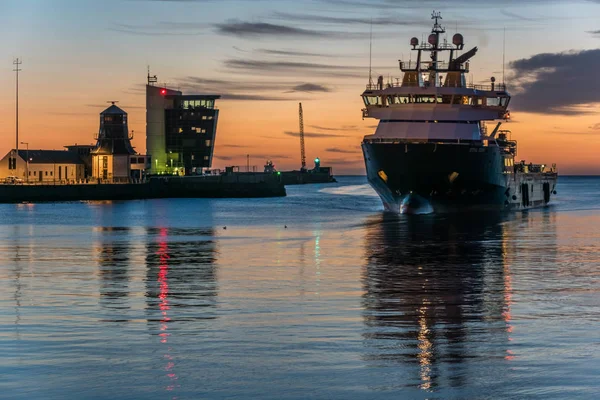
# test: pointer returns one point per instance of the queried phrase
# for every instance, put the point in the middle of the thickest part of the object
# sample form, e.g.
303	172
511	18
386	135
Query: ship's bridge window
372	100
462	100
401	99
425	98
398	99
497	101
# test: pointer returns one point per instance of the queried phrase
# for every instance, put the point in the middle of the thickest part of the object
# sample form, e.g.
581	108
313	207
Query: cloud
162	28
595	33
245	29
557	83
224	158
312	134
123	107
260	90
310	87
345	161
595	126
296	53
233	145
295	68
344	151
343	128
252	97
326	19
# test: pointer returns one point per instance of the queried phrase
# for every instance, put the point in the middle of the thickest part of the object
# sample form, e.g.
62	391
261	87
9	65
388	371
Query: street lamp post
26	160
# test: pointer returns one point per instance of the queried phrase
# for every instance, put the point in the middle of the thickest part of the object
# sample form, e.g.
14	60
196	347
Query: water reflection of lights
508	292
163	295
425	349
317	234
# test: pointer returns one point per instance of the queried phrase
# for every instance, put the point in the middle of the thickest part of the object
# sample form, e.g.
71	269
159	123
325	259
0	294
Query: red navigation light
163	91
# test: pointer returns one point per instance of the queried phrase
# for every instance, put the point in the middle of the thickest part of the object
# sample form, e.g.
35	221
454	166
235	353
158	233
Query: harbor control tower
180	130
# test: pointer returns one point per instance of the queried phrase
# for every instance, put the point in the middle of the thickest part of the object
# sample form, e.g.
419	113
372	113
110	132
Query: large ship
433	151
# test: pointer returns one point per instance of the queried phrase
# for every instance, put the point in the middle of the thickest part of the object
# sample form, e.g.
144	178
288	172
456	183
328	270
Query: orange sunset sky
265	56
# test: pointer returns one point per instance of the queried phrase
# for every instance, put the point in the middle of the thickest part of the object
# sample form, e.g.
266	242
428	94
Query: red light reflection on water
163	295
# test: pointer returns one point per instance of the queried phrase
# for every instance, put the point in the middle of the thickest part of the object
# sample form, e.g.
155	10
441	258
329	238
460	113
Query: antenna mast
17	63
151	79
503	55
371	53
302	150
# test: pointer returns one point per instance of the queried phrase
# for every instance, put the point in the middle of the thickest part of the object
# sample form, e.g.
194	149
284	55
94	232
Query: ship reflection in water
438	298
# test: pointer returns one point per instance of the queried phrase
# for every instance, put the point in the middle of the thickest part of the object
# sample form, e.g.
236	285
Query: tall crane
302	150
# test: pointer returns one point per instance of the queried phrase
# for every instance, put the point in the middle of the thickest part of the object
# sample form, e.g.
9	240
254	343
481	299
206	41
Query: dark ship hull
449	177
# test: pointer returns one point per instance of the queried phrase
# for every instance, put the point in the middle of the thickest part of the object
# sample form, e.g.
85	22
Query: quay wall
231	185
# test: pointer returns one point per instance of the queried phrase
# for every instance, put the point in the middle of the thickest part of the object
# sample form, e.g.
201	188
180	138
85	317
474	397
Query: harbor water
318	295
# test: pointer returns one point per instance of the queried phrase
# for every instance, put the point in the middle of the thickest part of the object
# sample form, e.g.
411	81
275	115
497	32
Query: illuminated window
207	143
205	158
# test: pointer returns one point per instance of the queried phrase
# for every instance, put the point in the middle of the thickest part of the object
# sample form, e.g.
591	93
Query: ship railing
530	168
396	83
88	181
425	66
462	142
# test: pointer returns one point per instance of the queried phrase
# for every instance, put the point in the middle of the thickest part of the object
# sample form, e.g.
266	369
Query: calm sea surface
156	300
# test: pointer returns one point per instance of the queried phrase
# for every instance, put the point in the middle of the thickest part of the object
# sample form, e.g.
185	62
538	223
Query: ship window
425	99
402	99
457	100
504	101
372	100
205	158
492	101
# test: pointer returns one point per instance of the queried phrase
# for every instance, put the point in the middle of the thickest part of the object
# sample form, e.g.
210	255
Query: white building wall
156	103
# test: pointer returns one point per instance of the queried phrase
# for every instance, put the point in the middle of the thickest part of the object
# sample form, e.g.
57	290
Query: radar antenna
302	150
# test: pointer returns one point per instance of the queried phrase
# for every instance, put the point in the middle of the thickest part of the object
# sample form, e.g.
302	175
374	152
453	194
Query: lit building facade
180	131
